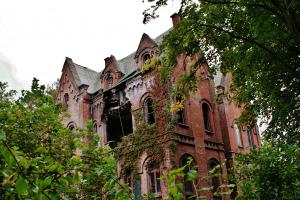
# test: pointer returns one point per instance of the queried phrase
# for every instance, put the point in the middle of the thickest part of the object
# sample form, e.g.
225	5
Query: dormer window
146	57
109	81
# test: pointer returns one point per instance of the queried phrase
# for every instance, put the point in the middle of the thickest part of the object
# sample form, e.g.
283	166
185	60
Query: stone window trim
207	116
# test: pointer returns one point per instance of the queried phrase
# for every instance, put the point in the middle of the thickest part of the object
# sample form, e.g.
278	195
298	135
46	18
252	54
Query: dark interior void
119	124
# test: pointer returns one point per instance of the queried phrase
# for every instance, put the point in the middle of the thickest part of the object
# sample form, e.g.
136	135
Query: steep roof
127	65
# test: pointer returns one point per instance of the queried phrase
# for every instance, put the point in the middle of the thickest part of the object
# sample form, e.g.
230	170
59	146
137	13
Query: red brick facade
208	132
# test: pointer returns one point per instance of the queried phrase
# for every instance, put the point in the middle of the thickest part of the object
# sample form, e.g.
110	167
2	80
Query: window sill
209	132
184	126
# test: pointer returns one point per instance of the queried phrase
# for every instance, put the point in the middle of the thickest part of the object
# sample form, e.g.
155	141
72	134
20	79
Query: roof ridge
85	67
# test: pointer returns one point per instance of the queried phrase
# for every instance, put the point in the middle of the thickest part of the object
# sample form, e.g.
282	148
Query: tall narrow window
128	178
95	128
109	81
250	141
149	112
215	180
180	113
206	117
237	135
154	178
66	100
187	185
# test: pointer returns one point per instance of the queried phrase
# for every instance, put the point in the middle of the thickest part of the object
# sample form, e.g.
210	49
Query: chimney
176	18
109	60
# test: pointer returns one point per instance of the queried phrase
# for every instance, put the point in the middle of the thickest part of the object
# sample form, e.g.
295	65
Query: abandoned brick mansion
206	128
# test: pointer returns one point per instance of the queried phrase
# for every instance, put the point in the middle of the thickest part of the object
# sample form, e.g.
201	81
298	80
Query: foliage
42	159
271	172
258	42
175	179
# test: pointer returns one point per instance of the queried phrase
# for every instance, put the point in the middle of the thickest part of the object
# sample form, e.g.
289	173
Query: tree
38	158
272	172
258	42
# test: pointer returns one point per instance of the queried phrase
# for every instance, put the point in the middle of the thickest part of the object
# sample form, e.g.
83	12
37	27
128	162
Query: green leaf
21	186
192	175
2	135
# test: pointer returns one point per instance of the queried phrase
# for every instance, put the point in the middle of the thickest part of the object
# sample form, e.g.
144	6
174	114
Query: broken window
154	178
148	110
118	123
206	117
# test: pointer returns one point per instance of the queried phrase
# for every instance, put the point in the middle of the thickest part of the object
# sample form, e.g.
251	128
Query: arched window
237	134
71	126
206	117
66	99
187	185
214	168
149	111
153	172
146	57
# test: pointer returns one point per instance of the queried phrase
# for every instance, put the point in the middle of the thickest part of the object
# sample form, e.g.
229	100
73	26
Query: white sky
37	35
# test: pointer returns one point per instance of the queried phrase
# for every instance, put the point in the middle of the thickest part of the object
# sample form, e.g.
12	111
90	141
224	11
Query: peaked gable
145	42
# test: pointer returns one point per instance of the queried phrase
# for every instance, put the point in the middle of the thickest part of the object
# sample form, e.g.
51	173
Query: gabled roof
127	65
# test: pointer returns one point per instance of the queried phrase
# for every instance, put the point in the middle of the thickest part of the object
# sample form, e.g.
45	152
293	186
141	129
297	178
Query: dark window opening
66	100
206	117
95	128
215	180
146	57
250	141
154	178
149	111
187	184
109	81
180	113
119	124
128	177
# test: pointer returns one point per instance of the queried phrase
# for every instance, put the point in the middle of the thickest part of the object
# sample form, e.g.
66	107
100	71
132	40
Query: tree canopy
258	42
41	159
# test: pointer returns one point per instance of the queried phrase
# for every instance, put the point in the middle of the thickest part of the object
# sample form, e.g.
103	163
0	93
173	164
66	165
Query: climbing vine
151	139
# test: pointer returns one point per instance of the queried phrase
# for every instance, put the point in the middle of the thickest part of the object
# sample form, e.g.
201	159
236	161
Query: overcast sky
37	35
